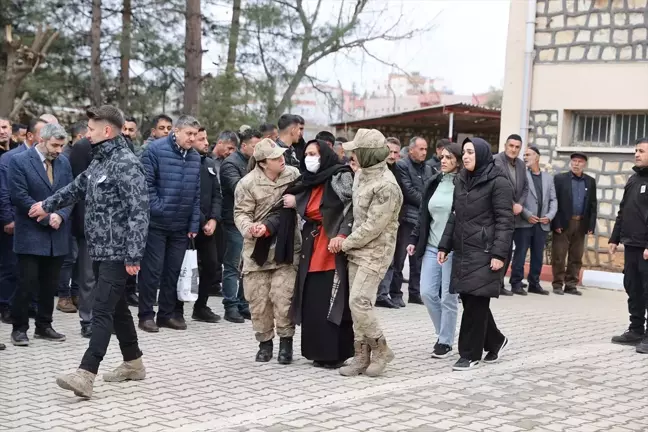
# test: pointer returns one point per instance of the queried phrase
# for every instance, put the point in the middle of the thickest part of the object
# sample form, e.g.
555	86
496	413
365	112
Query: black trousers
110	311
507	262
396	283
635	281
38	277
478	331
219	237
208	266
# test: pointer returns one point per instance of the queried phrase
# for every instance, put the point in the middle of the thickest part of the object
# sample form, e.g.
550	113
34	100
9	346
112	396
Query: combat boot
285	351
360	360
129	370
80	382
265	351
381	354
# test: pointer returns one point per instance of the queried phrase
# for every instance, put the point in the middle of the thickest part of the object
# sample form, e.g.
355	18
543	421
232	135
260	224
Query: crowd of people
289	233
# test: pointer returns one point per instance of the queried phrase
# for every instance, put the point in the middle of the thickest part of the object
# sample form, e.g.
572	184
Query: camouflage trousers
270	294
363	288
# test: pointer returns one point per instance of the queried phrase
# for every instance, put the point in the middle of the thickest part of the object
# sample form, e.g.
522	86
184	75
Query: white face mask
312	163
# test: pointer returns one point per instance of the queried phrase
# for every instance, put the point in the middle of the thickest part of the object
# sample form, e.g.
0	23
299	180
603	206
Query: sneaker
441	351
19	338
465	364
630	337
133	370
493	356
80	382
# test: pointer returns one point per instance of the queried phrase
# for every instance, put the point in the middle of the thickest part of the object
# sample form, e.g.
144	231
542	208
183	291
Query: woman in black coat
479	232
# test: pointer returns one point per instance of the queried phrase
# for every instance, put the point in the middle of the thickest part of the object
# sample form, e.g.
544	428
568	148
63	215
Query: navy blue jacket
6	209
173	185
28	184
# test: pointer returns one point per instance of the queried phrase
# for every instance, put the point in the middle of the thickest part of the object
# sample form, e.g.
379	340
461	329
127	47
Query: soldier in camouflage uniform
377	200
116	225
268	286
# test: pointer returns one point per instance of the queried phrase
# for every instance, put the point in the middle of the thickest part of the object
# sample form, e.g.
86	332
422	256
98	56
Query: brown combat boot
133	370
80	382
360	360
65	305
381	354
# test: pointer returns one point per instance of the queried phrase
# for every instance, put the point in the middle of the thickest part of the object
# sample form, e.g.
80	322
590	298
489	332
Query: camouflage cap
267	149
365	138
244	128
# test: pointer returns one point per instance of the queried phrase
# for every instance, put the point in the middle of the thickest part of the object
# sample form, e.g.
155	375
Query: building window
608	129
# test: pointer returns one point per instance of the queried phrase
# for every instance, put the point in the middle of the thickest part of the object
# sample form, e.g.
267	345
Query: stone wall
591	31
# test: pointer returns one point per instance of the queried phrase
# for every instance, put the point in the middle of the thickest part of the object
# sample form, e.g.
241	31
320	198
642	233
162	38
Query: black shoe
386	302
148	326
519	291
234	316
493	356
558	291
172	323
523	285
441	351
398	301
630	337
245	313
5	316
285	351
415	299
573	291
265	351
2	347
538	290
642	348
465	364
132	299
86	330
328	364
205	314
50	334
19	338
505	292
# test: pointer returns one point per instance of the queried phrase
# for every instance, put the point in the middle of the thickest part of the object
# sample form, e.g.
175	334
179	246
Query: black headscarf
483	156
329	166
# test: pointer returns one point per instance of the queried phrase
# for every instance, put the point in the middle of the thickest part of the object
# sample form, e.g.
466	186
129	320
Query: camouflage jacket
254	197
116	197
377	200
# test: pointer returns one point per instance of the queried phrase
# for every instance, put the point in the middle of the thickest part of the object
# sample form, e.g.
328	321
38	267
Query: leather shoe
234	316
386	302
538	290
49	334
558	291
19	338
148	326
65	305
415	299
245	313
5	316
132	299
398	301
172	323
86	331
505	292
2	347
205	314
573	291
519	291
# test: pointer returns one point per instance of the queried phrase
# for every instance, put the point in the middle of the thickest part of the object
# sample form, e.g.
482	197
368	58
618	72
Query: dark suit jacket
28	184
521	187
562	182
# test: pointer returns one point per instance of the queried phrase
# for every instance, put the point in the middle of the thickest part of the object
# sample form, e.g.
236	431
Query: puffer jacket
377	199
412	177
116	203
173	177
254	198
232	170
479	229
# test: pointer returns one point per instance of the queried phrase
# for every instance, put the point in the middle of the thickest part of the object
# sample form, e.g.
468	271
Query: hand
289	201
612	248
442	257
496	264
259	230
544	220
209	227
558	230
132	270
645	254
55	221
534	220
517	209
590	232
192	235
335	245
411	249
9	228
36	211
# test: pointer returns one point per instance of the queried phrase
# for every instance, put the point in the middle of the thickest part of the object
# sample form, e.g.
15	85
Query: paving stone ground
560	373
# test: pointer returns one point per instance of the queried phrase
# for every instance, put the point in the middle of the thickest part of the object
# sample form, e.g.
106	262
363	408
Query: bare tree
95	53
193	57
234	31
125	54
21	60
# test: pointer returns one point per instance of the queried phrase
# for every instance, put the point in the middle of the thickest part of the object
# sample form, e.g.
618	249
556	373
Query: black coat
631	226
412	178
210	193
233	169
80	157
562	182
421	231
480	228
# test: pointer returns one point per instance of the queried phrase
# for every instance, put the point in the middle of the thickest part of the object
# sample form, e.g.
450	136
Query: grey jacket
549	201
521	187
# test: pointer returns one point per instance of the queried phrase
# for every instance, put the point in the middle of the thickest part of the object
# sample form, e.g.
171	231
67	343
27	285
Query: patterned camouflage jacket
377	200
254	197
116	195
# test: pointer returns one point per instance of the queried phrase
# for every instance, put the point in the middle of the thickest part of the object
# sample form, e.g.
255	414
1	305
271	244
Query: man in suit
539	209
35	175
515	170
576	217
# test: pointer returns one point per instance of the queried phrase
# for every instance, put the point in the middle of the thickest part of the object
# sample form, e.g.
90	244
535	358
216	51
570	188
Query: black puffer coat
481	226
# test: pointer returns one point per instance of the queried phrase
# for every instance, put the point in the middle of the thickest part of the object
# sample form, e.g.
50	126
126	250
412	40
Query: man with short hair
234	168
290	131
394	153
129	131
35	175
515	171
435	160
18	134
116	222
48	118
161	126
326	136
268	130
77	132
225	145
172	170
300	146
5	135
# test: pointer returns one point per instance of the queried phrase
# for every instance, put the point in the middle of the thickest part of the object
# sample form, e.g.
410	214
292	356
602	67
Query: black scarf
483	158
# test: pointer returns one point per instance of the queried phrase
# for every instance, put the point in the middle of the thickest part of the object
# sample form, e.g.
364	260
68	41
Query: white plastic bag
188	280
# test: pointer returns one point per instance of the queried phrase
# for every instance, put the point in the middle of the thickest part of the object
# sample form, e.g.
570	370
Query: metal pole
451	126
528	72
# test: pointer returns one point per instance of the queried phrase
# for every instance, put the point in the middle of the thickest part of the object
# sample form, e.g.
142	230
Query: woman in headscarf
479	233
436	207
322	196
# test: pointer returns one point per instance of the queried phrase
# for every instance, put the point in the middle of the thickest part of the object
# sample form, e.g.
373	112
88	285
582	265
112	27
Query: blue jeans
535	238
232	292
435	292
